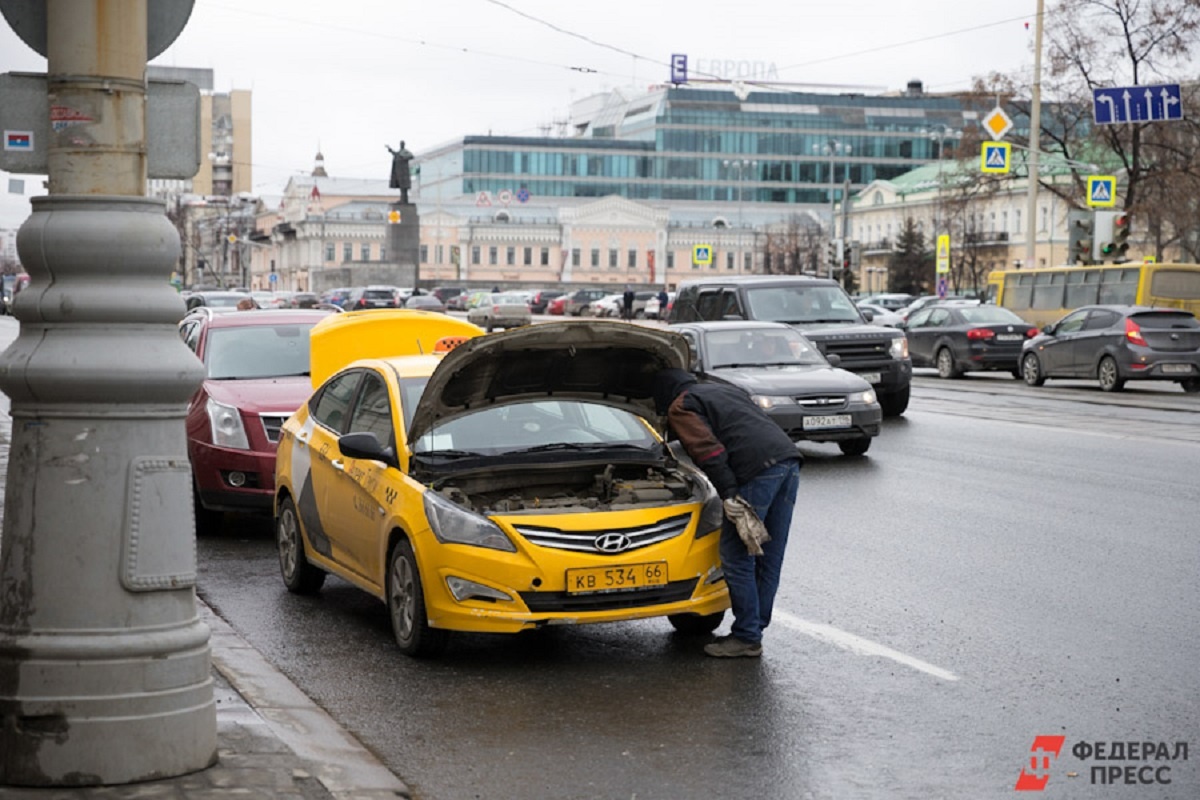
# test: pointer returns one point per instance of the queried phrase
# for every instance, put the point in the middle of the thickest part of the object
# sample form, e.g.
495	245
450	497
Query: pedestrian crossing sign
702	255
995	157
1102	190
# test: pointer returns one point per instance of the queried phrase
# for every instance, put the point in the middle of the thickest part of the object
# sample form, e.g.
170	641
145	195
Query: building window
440	253
1045	218
670	259
612	259
595	258
748	262
1017	221
347	251
528	256
576	257
364	252
632	259
545	256
493	255
383	252
424	257
329	251
475	254
510	256
729	261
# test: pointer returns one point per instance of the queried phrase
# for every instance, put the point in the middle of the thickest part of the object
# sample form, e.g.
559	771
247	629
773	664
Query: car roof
283	316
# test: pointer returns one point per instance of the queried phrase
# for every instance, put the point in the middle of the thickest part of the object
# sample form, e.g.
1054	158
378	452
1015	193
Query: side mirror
834	359
366	446
1050	329
867	314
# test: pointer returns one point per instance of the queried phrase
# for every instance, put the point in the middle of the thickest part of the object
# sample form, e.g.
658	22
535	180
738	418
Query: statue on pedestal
400	178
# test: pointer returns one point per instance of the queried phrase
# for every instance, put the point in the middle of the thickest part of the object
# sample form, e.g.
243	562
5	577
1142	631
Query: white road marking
856	644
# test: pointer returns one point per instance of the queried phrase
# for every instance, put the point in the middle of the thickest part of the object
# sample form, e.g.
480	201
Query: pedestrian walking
755	468
627	303
663	300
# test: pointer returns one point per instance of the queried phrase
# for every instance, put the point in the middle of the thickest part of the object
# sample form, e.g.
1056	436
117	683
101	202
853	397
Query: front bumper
216	468
864	421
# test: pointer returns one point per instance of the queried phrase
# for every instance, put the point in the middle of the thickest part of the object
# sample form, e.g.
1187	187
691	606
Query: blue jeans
753	580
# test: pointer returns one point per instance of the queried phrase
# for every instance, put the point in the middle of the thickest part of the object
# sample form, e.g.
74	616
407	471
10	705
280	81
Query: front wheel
1109	376
696	624
896	403
299	576
1031	370
406	606
855	447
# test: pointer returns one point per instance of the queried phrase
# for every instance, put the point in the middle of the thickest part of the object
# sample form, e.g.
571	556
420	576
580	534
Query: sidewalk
272	741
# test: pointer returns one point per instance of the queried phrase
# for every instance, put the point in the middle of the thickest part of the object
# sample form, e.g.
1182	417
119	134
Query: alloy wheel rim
1108	373
403	598
287	542
945	363
1031	369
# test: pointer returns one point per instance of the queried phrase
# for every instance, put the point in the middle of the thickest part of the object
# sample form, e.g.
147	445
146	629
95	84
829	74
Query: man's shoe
733	647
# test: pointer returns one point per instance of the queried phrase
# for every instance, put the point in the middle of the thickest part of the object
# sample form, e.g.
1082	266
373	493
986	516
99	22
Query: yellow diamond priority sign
997	123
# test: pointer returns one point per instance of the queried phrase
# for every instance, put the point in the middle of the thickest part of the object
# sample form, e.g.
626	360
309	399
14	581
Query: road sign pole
1035	143
105	674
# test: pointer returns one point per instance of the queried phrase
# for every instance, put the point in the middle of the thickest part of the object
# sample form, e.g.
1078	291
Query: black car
541	298
786	375
362	297
821	310
967	338
1115	344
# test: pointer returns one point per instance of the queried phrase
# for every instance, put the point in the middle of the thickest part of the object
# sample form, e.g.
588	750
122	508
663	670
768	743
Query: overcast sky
352	77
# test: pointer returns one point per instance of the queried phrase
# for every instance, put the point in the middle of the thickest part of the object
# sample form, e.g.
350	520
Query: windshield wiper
579	446
447	454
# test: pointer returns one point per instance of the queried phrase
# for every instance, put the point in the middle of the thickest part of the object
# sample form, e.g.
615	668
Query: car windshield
990	314
537	425
760	347
796	304
257	351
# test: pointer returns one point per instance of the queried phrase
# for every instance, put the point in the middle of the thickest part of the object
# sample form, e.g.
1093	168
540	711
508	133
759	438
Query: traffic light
1112	236
834	257
1081	230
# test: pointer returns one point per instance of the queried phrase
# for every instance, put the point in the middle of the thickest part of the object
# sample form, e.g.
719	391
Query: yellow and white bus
1044	294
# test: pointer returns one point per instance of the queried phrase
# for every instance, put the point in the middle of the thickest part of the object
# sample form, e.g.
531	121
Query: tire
945	364
1016	373
1109	375
696	624
1031	370
208	522
299	576
1191	385
855	447
896	403
489	327
406	606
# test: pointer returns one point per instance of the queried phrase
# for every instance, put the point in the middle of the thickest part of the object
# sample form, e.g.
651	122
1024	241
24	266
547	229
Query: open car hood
599	361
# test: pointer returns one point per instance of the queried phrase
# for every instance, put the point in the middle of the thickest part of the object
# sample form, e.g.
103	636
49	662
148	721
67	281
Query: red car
257	369
557	306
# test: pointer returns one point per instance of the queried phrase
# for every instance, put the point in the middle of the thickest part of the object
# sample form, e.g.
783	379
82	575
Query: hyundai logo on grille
612	542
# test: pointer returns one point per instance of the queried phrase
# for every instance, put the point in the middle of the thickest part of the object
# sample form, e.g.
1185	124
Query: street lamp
741	165
941	134
834	148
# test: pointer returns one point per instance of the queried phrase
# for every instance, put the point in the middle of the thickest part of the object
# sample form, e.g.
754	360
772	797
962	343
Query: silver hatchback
500	311
1115	344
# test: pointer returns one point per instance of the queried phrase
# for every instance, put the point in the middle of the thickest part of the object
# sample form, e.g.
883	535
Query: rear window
1166	319
378	294
987	314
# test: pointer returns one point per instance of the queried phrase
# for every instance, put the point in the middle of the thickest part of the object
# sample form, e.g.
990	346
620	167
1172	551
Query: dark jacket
725	433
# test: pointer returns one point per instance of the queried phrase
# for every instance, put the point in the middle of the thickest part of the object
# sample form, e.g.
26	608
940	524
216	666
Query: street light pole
740	165
834	148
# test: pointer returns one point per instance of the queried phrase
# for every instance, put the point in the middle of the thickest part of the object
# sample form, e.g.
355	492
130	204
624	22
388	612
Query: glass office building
762	149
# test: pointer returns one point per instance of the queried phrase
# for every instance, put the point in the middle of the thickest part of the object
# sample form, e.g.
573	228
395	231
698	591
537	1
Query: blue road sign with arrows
1137	104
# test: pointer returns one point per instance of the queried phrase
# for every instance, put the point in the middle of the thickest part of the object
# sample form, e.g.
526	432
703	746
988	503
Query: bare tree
795	247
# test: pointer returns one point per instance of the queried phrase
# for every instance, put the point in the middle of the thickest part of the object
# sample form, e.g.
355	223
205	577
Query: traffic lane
1035	574
526	707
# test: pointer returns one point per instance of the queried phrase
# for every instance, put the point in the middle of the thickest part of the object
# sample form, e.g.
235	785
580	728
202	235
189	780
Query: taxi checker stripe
585	540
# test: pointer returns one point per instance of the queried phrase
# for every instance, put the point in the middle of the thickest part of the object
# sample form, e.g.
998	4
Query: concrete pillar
404	244
105	675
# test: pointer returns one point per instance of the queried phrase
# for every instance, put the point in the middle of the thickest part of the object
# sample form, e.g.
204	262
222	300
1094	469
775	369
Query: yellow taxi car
495	483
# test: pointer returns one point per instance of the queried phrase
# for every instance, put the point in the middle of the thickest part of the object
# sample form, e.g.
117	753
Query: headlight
451	523
899	347
226	424
867	397
711	515
772	400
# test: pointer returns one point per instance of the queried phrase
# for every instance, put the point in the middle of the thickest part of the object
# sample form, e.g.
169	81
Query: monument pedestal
404	243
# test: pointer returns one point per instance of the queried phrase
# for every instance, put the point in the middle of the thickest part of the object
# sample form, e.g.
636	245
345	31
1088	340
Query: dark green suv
821	310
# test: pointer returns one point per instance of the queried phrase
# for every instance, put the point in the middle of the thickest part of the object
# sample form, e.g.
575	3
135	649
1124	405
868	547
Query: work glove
749	527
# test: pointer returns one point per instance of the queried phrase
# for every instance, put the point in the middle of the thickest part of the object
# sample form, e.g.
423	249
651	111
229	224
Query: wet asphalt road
1006	562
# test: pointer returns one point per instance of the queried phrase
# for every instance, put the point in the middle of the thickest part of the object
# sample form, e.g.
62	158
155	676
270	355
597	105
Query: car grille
673	592
823	403
272	424
585	541
852	350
